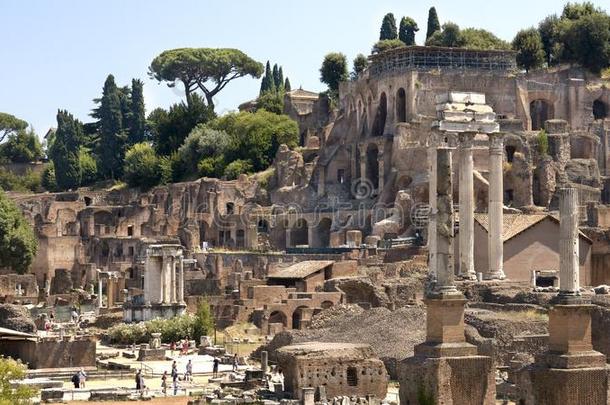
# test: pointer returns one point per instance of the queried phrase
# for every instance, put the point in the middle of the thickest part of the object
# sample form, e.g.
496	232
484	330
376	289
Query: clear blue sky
56	54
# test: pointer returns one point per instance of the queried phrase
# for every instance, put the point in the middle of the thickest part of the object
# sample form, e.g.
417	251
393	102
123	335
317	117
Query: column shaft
495	209
444	223
466	195
381	167
568	242
99	291
173	280
181	281
432	215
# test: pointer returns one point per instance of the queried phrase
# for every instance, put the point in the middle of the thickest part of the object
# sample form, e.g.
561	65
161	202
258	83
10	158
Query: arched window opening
600	110
401	105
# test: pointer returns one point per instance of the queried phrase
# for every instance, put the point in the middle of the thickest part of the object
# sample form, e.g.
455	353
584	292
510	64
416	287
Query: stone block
151	354
353	238
467	380
474	126
570	328
460	97
445	320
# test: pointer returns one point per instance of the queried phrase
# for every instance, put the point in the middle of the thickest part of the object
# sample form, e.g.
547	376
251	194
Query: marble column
568	243
110	291
99	291
163	279
444	223
432	203
495	251
172	285
181	280
362	148
381	171
466	195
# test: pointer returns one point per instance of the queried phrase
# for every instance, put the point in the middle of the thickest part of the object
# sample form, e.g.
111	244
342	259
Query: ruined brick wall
51	353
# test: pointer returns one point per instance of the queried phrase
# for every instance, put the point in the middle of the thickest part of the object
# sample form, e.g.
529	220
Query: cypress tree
287	85
408	28
388	27
276	77
280	80
64	152
269	78
433	24
137	122
111	140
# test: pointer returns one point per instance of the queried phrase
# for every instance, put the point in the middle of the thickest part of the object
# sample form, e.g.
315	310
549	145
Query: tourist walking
76	380
215	367
164	383
188	376
235	362
139	381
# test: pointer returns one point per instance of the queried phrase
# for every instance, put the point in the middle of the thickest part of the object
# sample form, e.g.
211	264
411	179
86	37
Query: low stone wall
51	353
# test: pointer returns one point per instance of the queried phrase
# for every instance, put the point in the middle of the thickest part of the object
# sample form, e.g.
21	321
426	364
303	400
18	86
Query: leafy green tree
9	124
387	44
143	168
168	129
588	40
48	178
256	136
11	370
88	167
204	320
203	142
211	166
474	38
359	65
287	86
65	151
576	11
448	36
550	36
22	146
137	116
388	28
271	101
205	69
18	245
530	52
433	23
408	28
112	135
237	167
334	70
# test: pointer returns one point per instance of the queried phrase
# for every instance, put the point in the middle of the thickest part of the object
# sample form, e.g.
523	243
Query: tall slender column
362	148
444	223
381	171
99	290
466	195
495	209
432	203
321	181
181	280
164	283
568	243
172	284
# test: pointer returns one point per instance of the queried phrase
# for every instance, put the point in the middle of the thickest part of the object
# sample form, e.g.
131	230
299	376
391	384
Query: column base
468	276
498	275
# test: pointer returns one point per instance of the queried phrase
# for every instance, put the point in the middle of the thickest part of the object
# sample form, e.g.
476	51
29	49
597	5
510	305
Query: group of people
188	376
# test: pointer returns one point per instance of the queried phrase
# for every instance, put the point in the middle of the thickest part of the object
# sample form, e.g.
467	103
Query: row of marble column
172	280
466	207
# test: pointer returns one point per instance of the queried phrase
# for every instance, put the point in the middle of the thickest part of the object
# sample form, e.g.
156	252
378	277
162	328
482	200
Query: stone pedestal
446	369
571	372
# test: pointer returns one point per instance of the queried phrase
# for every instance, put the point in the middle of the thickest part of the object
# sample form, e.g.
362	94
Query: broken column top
465	112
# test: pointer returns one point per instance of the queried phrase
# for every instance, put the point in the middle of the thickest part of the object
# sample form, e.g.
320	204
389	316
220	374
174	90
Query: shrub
47	180
143	168
387	44
204	321
22	147
237	167
88	167
171	330
203	143
29	182
543	143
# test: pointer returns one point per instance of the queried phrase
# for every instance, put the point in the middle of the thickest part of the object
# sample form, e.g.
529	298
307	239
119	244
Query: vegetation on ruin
206	69
407	30
388	28
18	244
543	143
333	71
204	321
387	44
472	38
359	65
28	182
273	89
11	370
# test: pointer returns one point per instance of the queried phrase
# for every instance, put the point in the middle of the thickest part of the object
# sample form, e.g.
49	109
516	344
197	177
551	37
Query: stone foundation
137	313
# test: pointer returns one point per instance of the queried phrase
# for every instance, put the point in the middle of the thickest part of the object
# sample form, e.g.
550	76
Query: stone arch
278	317
380	116
299	235
600	110
541	110
401	105
372	164
297	317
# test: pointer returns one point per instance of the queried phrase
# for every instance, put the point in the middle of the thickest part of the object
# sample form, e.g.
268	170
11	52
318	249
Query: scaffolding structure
432	57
